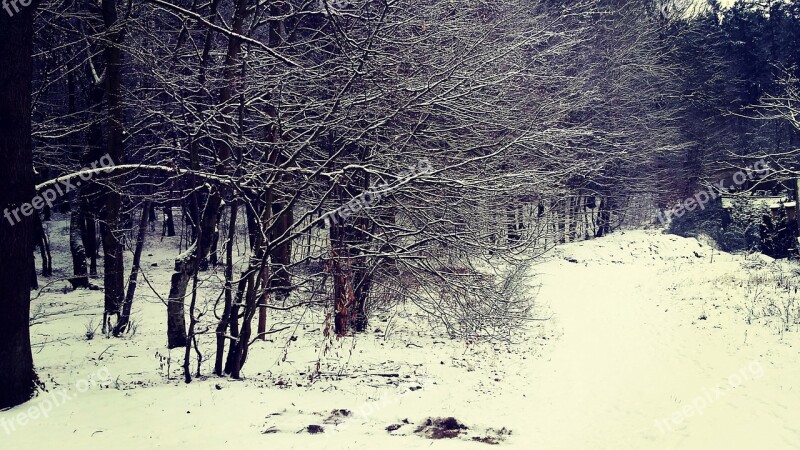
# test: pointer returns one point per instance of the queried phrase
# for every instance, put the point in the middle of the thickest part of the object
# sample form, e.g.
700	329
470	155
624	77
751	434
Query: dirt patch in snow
441	428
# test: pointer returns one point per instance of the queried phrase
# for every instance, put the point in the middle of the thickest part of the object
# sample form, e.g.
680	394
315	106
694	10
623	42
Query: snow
654	342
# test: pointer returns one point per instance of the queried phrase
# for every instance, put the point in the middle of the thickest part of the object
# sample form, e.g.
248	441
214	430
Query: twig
100	356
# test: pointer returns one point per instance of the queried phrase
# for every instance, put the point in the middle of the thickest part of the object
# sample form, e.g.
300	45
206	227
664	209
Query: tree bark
189	262
17	376
169	222
280	281
90	240
77	229
91	195
575	203
114	269
41	241
604	218
77	219
125	316
362	290
255	291
225	320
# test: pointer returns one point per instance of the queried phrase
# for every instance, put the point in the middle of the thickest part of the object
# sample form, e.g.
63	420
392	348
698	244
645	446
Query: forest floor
653	342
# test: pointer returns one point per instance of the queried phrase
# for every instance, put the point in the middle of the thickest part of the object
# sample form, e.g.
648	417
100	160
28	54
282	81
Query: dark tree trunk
213	257
342	277
151	216
41	241
191	211
604	218
252	221
125	316
280	257
188	264
225	320
77	219
169	222
256	282
17	376
113	263
185	267
511	225
91	195
77	229
90	241
342	298
575	205
34	275
234	324
255	292
363	286
46	213
348	266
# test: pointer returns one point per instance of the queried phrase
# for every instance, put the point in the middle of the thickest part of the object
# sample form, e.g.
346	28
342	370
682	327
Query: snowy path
628	373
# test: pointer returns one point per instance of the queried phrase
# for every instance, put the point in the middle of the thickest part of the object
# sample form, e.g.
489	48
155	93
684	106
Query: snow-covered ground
654	342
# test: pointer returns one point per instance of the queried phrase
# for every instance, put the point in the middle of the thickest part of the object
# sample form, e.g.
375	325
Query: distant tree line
739	68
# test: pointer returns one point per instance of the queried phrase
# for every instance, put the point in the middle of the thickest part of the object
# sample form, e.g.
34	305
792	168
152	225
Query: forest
202	179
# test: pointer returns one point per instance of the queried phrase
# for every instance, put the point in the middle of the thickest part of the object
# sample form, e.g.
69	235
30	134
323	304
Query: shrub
733	229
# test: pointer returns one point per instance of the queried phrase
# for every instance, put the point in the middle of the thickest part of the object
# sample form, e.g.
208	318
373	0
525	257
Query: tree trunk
90	240
234	323
125	316
91	194
281	255
113	263
604	218
151	216
513	237
225	320
40	239
256	291
341	275
169	222
17	376
363	286
77	229
252	214
34	275
255	285
213	257
77	219
575	203
188	263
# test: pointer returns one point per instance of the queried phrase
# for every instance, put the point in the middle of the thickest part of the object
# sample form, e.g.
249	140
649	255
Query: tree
114	268
17	376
